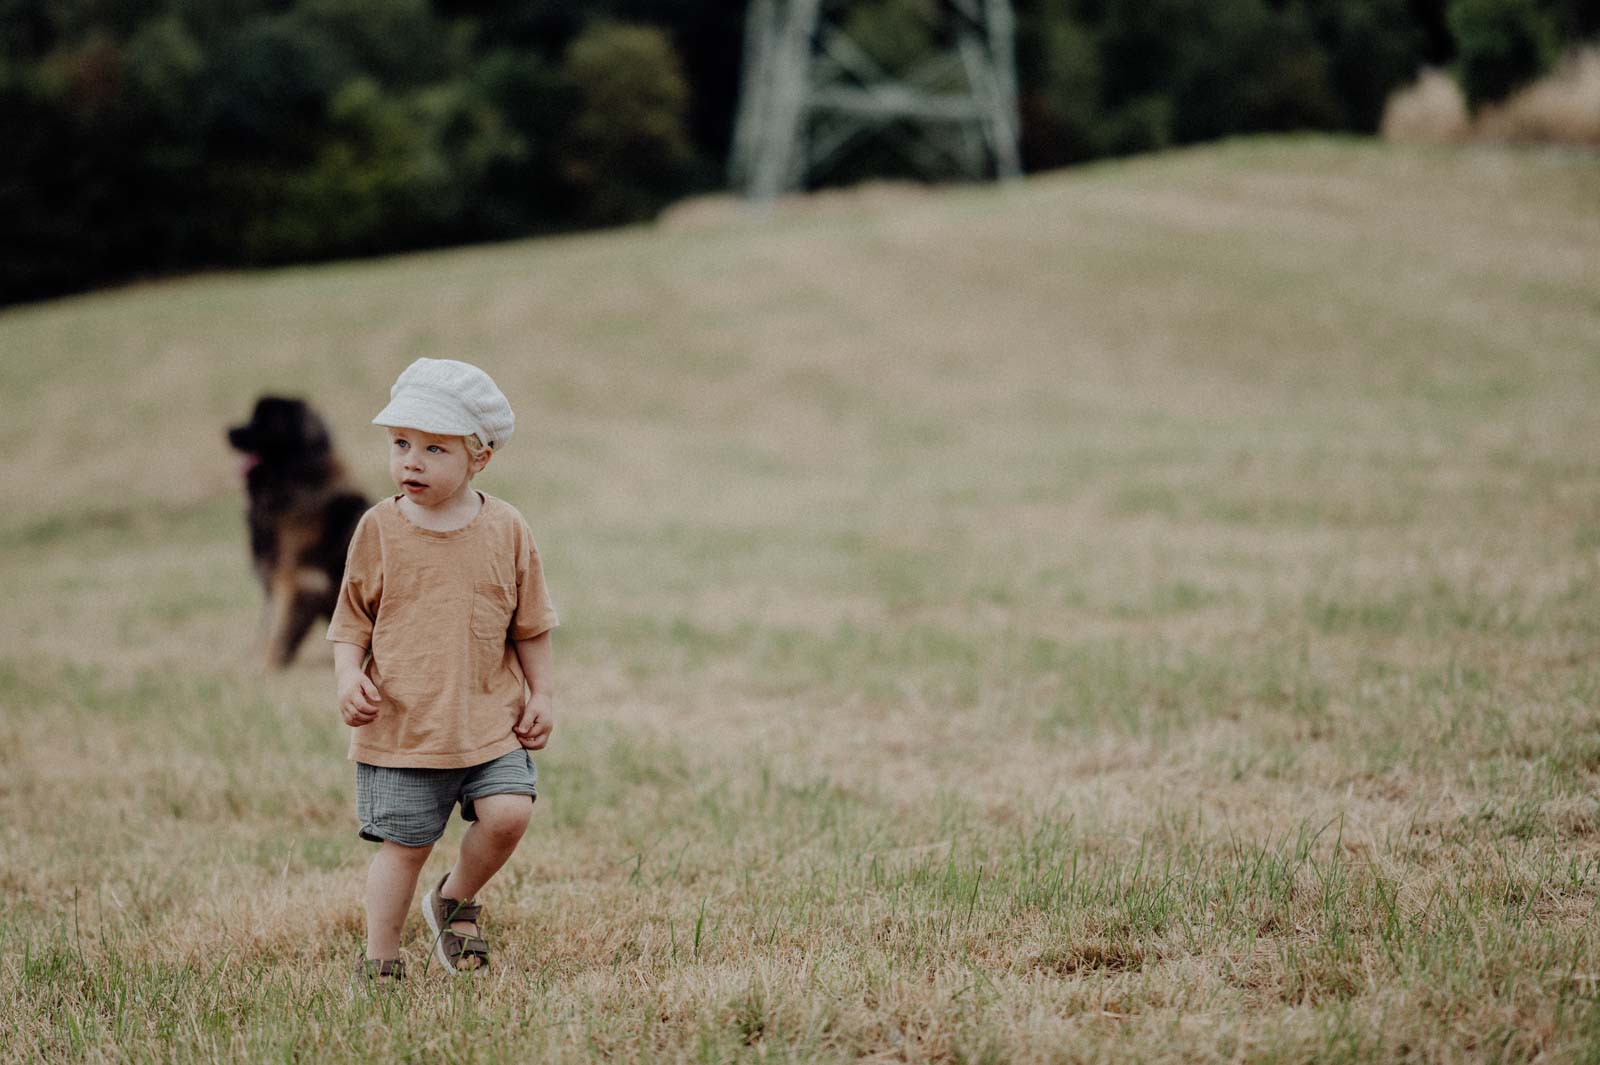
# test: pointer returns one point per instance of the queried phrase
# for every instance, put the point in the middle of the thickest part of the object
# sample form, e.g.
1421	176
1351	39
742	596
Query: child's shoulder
500	514
497	509
381	511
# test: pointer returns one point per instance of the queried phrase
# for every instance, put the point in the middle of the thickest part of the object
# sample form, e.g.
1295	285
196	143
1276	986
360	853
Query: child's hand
538	718
358	698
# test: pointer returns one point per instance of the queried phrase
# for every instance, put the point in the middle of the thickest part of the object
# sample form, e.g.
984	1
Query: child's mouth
412	486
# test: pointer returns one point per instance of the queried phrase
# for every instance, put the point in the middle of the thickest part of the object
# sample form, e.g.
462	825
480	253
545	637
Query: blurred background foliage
151	136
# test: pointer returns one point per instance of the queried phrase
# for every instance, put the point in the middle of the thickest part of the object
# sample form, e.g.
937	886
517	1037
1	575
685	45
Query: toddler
442	662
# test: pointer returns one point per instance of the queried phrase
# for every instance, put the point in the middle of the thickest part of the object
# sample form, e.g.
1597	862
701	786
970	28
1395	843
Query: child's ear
482	460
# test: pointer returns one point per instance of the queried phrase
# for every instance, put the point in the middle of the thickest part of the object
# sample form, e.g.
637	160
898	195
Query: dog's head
281	432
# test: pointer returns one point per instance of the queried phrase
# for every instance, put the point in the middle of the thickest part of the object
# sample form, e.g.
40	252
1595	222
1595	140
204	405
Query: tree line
151	136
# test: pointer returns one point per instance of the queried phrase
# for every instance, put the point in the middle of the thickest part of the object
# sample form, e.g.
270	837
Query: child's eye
401	443
436	447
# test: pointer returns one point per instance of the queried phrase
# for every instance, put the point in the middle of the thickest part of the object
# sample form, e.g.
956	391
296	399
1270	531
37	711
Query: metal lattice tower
811	93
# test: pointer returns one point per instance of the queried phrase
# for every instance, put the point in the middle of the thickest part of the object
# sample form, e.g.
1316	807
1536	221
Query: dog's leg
280	609
286	586
312	598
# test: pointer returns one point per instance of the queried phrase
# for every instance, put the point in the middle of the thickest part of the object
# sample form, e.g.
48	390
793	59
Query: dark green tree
1373	47
627	152
525	191
1501	45
1058	66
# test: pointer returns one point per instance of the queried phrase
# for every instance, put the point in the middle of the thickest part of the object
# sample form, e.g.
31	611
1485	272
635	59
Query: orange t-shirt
439	612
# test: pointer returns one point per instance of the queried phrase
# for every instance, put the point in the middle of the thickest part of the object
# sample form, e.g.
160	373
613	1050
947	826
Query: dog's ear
288	428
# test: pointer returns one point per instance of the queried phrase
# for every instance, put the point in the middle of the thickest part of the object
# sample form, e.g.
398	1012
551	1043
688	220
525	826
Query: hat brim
421	412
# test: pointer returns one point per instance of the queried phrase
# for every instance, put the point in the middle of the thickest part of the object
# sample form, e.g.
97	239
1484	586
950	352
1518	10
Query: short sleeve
535	614
357	606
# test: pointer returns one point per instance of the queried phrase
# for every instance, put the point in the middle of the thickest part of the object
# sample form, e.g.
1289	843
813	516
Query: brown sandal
451	947
380	971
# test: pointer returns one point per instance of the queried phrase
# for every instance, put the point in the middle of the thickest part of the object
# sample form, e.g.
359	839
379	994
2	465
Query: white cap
449	398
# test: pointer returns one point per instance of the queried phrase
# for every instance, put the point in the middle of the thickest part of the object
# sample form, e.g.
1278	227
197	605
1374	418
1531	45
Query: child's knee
504	816
404	855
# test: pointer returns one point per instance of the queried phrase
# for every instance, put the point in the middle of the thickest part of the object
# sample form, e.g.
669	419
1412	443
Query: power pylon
811	93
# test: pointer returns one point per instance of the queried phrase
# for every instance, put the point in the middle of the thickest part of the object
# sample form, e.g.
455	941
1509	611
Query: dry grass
1141	614
1561	108
1431	110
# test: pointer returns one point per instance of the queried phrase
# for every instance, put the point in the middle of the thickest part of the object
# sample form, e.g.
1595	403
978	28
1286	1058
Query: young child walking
442	662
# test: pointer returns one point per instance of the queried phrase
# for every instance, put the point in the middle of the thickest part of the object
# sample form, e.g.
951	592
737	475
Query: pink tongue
247	463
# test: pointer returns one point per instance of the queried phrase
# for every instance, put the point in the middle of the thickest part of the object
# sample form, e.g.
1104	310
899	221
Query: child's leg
488	843
391	882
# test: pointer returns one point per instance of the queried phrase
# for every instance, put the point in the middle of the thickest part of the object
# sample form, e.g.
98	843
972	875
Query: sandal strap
385	967
461	911
454	945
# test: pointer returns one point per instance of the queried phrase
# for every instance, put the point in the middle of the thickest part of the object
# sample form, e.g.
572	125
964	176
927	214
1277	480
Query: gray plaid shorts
411	806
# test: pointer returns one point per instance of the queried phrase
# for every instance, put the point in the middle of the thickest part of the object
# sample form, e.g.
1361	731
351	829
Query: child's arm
354	614
358	696
538	717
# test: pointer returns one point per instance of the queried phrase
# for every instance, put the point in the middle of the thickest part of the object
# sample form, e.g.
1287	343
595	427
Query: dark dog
303	510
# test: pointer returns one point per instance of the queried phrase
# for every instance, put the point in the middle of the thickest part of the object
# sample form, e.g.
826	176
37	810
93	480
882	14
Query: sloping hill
1149	608
1300	277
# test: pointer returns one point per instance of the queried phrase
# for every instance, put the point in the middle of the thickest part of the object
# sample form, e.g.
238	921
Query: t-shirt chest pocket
492	603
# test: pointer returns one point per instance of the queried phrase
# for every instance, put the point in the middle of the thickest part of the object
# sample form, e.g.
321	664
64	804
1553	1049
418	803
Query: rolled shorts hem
371	835
412	807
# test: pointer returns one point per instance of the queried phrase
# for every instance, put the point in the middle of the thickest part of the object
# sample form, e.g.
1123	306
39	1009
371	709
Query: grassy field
1146	613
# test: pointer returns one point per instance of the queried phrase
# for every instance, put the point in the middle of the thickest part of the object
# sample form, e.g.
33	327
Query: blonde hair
475	447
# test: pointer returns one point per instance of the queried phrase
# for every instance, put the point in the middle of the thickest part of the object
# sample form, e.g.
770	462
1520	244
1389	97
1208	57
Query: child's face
430	469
